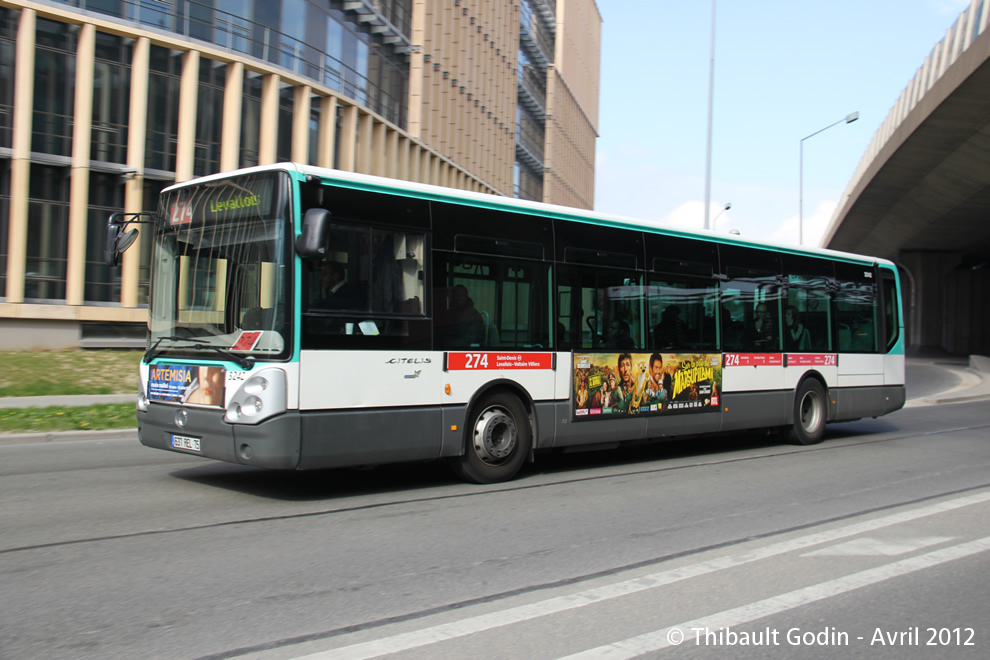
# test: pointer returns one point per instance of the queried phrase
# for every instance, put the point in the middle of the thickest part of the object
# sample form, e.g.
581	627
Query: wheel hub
495	436
811	412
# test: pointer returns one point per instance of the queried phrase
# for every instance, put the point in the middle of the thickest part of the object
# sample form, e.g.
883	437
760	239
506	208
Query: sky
783	70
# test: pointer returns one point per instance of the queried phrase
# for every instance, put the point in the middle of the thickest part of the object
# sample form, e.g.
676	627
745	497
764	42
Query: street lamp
850	118
719	215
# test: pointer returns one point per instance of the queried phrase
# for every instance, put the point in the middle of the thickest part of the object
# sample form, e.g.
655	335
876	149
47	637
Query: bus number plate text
185	442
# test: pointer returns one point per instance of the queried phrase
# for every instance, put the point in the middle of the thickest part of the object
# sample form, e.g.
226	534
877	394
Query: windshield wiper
244	362
150	353
200	345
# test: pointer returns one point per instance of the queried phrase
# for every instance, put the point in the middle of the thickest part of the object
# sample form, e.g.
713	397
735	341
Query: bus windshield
221	276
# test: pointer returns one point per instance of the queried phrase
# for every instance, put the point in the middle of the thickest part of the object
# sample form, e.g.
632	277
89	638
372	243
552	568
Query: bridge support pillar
945	303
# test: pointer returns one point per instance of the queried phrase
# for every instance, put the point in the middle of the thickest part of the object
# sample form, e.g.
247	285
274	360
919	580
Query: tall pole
850	118
801	193
711	96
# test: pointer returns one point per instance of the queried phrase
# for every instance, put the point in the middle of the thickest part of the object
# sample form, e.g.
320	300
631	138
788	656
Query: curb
69	401
67	436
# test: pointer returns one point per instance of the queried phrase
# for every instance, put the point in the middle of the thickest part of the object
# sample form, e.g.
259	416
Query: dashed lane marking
688	631
475	624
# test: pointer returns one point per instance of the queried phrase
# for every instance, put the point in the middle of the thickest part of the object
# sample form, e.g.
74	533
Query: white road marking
868	547
483	622
686	632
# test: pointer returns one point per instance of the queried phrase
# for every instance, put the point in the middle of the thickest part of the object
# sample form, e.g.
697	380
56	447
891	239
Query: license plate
185	442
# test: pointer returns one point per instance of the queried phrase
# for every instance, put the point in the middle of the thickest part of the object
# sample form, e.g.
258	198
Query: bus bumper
854	403
273	443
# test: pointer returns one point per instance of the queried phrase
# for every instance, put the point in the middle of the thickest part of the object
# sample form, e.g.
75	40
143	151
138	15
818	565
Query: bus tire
809	414
498	440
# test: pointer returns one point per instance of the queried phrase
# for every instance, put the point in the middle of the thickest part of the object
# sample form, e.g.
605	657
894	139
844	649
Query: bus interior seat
863	334
735	332
815	324
491	332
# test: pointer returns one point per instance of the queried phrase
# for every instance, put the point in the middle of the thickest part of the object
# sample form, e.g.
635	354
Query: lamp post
728	206
711	96
850	118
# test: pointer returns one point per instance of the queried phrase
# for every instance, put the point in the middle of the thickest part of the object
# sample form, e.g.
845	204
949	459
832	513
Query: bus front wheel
809	414
498	441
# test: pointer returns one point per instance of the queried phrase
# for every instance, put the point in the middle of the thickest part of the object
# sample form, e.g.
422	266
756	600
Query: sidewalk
973	373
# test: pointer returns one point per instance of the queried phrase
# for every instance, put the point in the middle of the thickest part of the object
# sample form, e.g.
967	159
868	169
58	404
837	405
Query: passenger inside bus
334	294
763	334
671	332
338	293
797	337
461	326
619	335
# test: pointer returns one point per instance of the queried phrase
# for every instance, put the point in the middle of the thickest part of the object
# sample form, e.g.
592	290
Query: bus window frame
766	270
856	274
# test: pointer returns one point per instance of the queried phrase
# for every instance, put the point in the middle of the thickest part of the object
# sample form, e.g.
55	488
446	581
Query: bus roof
485	200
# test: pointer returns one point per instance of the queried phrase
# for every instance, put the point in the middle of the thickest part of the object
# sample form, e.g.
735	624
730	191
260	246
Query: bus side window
807	317
368	290
682	312
606	307
891	317
490	301
856	316
751	297
751	311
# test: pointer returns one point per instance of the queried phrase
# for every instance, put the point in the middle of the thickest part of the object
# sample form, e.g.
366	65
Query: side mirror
117	240
110	255
312	241
124	241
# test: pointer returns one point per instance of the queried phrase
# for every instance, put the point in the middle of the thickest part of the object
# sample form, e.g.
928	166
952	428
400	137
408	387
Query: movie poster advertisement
177	383
609	385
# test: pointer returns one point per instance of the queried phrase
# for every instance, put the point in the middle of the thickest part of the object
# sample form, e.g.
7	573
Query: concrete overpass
921	194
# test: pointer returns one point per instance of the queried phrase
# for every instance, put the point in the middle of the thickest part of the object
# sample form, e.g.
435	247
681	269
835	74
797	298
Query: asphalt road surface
875	543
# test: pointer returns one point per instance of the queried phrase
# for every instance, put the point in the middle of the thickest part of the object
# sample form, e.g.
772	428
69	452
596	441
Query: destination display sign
754	359
780	360
812	360
498	361
242	198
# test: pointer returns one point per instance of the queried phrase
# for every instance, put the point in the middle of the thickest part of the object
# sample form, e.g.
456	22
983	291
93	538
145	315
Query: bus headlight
142	400
262	395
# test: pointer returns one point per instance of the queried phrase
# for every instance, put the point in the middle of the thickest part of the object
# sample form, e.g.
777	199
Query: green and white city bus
306	318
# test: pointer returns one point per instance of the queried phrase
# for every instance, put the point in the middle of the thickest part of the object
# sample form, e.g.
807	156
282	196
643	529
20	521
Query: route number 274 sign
498	361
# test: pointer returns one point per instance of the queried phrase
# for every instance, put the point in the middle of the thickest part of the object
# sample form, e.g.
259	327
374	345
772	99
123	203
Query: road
112	550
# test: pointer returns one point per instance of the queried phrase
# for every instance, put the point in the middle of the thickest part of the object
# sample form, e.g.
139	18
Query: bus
305	318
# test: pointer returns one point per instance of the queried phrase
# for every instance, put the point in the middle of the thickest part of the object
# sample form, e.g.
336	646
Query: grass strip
68	418
59	373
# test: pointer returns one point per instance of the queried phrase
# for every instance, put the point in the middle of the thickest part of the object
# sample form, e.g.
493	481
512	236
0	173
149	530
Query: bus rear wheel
498	441
809	414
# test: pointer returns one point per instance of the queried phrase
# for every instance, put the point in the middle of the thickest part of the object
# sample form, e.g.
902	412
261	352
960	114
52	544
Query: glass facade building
103	103
537	25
